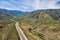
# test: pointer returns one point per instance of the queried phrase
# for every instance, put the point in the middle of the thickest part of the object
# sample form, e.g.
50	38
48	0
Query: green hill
45	24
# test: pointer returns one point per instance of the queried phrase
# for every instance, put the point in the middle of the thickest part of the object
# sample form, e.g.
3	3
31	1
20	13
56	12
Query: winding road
20	32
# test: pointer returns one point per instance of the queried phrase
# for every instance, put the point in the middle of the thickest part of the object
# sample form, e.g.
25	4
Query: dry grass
42	31
9	32
29	35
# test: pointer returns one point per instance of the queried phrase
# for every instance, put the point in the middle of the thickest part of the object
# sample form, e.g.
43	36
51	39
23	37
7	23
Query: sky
29	5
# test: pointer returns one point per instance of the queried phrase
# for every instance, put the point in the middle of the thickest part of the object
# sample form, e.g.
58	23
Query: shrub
30	29
1	26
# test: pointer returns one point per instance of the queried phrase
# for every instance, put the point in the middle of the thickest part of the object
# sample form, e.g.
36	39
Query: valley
36	25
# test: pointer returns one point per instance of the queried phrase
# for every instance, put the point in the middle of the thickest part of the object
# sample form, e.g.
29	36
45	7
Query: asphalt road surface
20	32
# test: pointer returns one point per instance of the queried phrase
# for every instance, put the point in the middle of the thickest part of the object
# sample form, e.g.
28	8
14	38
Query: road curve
20	32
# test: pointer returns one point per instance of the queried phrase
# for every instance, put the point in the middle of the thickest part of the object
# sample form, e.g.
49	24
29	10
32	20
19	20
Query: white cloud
45	4
29	5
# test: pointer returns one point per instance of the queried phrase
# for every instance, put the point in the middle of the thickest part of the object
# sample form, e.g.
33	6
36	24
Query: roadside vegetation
8	31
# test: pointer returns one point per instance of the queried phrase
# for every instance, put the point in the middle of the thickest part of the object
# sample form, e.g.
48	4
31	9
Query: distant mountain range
11	12
6	15
54	13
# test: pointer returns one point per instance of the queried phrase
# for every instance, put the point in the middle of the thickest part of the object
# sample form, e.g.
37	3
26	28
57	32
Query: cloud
23	5
46	4
29	5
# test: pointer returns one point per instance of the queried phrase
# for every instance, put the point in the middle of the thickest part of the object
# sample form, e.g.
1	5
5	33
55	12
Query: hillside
55	13
42	24
7	28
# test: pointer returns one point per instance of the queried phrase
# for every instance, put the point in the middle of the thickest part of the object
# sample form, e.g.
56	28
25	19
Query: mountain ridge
55	13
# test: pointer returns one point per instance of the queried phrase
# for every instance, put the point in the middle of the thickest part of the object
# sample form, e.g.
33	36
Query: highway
20	32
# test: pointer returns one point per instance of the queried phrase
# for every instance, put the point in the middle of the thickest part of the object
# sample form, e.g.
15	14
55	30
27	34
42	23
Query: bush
1	26
30	29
